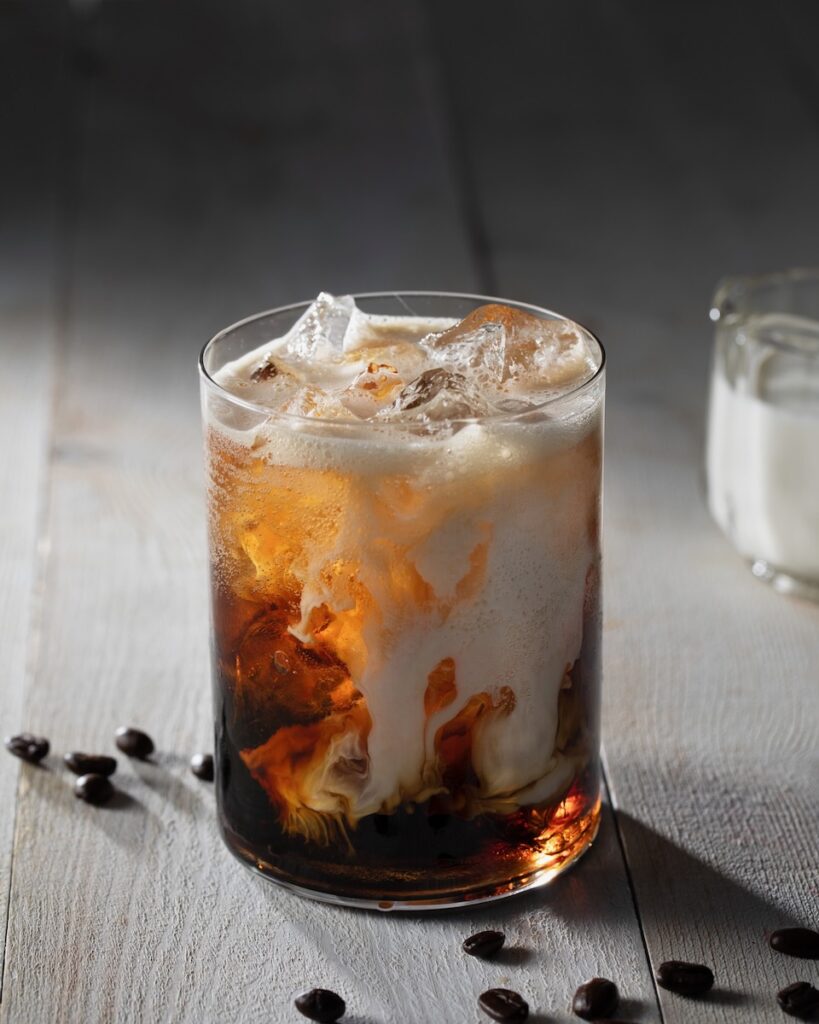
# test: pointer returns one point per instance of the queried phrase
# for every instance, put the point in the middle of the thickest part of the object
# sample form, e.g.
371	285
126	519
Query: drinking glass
406	635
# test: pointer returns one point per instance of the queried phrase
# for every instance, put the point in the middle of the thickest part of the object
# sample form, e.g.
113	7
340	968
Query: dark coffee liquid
419	851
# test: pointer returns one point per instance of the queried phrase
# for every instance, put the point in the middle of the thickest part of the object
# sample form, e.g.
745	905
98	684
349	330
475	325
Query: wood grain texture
243	182
635	160
30	250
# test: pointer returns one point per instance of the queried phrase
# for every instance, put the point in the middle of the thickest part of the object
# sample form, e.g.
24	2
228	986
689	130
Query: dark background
172	165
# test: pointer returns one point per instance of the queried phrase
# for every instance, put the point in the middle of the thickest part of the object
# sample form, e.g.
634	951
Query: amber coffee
404	497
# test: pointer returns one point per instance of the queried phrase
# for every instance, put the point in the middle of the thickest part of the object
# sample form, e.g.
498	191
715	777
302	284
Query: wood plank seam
66	194
35	622
609	794
432	68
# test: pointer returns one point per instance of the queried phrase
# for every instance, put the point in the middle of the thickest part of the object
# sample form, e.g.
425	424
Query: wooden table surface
172	165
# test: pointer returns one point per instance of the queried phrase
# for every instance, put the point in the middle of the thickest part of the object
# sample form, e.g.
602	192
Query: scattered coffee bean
503	1004
134	742
94	789
27	747
202	766
801	942
484	944
320	1004
597	998
90	764
799	999
684	979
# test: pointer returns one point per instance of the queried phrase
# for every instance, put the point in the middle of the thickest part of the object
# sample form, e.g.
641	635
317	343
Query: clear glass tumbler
406	636
762	458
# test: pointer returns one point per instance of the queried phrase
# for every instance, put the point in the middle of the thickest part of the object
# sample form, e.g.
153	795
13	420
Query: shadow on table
671	883
115	818
691	910
169	775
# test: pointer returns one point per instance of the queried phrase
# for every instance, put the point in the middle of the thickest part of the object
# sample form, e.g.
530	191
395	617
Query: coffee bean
27	747
202	766
94	789
90	764
684	979
484	944
597	998
134	742
799	999
503	1004
320	1004
801	942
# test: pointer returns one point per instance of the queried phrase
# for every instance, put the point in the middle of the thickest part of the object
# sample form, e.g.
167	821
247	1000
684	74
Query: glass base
785	583
549	867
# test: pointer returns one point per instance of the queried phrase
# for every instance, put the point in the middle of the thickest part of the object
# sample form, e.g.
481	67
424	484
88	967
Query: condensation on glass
406	637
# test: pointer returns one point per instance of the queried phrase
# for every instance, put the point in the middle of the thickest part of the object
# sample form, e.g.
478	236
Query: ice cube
318	334
539	353
562	355
477	351
437	395
374	330
372	389
314	403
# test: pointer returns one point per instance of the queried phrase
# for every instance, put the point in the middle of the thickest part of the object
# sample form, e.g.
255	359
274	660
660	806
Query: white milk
763	478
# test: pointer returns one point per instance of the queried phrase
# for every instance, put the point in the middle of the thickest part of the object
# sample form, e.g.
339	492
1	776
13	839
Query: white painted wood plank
636	159
29	257
210	187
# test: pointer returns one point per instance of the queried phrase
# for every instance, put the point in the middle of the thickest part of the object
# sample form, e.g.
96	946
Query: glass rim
365	425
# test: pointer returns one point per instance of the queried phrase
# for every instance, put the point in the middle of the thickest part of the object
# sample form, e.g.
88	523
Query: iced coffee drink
404	500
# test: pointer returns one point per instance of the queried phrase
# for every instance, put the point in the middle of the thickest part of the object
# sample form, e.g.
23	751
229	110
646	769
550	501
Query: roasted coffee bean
684	979
27	747
503	1004
134	742
90	764
484	944
799	999
320	1004
202	766
597	998
801	942
94	789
